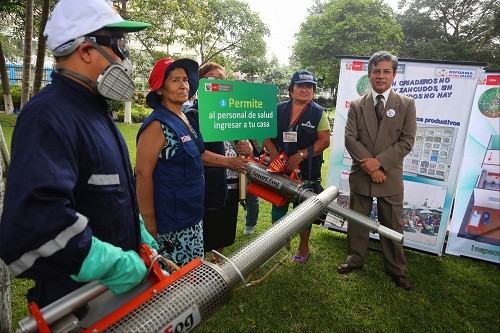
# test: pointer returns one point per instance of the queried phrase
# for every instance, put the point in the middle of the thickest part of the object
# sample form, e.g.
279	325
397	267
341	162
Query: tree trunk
25	92
5	305
127	117
4	79
124	9
40	52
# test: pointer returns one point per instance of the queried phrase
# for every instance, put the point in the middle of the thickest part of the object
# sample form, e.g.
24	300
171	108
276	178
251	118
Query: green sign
231	110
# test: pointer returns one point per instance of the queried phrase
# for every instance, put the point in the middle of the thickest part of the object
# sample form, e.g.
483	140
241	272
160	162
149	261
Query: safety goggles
119	44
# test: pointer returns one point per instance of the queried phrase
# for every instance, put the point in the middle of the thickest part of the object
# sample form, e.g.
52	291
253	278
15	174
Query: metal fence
16	74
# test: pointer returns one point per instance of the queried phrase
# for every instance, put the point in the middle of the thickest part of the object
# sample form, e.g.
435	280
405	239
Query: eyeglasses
215	78
119	44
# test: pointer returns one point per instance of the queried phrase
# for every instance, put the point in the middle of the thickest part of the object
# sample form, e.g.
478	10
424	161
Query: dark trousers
389	211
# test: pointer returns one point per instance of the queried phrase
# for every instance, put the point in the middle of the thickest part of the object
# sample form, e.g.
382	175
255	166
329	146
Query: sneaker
249	230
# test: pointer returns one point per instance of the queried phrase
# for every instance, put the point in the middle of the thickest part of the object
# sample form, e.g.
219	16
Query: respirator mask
115	80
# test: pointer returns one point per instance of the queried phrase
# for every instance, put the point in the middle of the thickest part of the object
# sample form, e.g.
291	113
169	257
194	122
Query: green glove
119	270
146	236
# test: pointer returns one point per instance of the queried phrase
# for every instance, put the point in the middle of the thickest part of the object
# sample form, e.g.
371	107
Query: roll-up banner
475	223
444	94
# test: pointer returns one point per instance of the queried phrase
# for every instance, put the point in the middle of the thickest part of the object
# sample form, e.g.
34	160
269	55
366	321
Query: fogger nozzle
295	191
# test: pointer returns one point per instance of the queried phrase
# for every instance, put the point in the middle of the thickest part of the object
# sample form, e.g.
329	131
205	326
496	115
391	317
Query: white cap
71	19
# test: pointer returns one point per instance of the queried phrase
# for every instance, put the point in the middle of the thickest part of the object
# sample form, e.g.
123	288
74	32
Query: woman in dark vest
303	135
169	163
222	188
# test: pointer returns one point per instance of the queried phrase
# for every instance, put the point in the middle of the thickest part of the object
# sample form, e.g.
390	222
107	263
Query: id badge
289	136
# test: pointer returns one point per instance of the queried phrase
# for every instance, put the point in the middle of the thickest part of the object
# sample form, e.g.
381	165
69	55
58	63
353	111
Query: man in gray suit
379	133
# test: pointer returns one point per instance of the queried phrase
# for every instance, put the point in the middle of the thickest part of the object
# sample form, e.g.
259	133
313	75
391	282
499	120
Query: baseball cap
72	19
157	77
303	76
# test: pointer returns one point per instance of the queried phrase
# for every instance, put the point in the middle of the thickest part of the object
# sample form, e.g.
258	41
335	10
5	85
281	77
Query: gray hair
382	56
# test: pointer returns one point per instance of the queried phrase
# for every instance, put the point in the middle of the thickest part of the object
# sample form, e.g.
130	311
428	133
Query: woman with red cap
169	163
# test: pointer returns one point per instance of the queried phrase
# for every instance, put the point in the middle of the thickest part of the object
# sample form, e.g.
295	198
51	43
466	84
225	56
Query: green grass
451	294
129	132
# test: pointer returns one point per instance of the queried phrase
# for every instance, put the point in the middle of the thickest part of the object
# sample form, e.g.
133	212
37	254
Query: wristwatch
301	154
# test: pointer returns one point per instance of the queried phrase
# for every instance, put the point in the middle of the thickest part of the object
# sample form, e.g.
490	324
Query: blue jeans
252	203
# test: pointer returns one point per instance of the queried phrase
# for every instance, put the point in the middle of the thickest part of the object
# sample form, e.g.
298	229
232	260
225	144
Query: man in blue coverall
70	214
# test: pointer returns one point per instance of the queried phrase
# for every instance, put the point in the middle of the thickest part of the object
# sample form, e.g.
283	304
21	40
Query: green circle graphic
363	86
489	103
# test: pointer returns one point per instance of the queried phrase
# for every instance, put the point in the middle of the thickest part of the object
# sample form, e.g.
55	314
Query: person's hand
244	147
370	164
378	176
273	155
293	162
238	164
119	270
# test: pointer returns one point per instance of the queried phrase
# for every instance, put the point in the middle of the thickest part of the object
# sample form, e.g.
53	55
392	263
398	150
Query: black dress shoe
402	282
346	269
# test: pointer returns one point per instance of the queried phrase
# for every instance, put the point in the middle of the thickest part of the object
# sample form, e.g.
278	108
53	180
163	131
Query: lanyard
300	115
295	122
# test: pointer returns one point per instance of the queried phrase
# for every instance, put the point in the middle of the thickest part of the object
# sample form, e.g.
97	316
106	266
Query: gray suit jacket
389	143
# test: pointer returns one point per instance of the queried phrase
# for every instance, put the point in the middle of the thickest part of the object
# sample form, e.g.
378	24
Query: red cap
157	77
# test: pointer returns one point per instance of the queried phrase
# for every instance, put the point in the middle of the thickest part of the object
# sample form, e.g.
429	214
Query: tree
278	75
455	30
214	29
40	53
344	27
5	306
167	19
4	79
26	83
253	67
9	12
21	25
422	38
250	58
12	16
222	27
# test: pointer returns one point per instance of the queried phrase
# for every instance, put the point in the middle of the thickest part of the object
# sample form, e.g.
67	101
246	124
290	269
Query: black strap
257	148
310	152
296	121
192	112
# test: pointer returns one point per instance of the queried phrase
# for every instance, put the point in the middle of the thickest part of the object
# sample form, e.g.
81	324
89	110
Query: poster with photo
475	224
444	94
